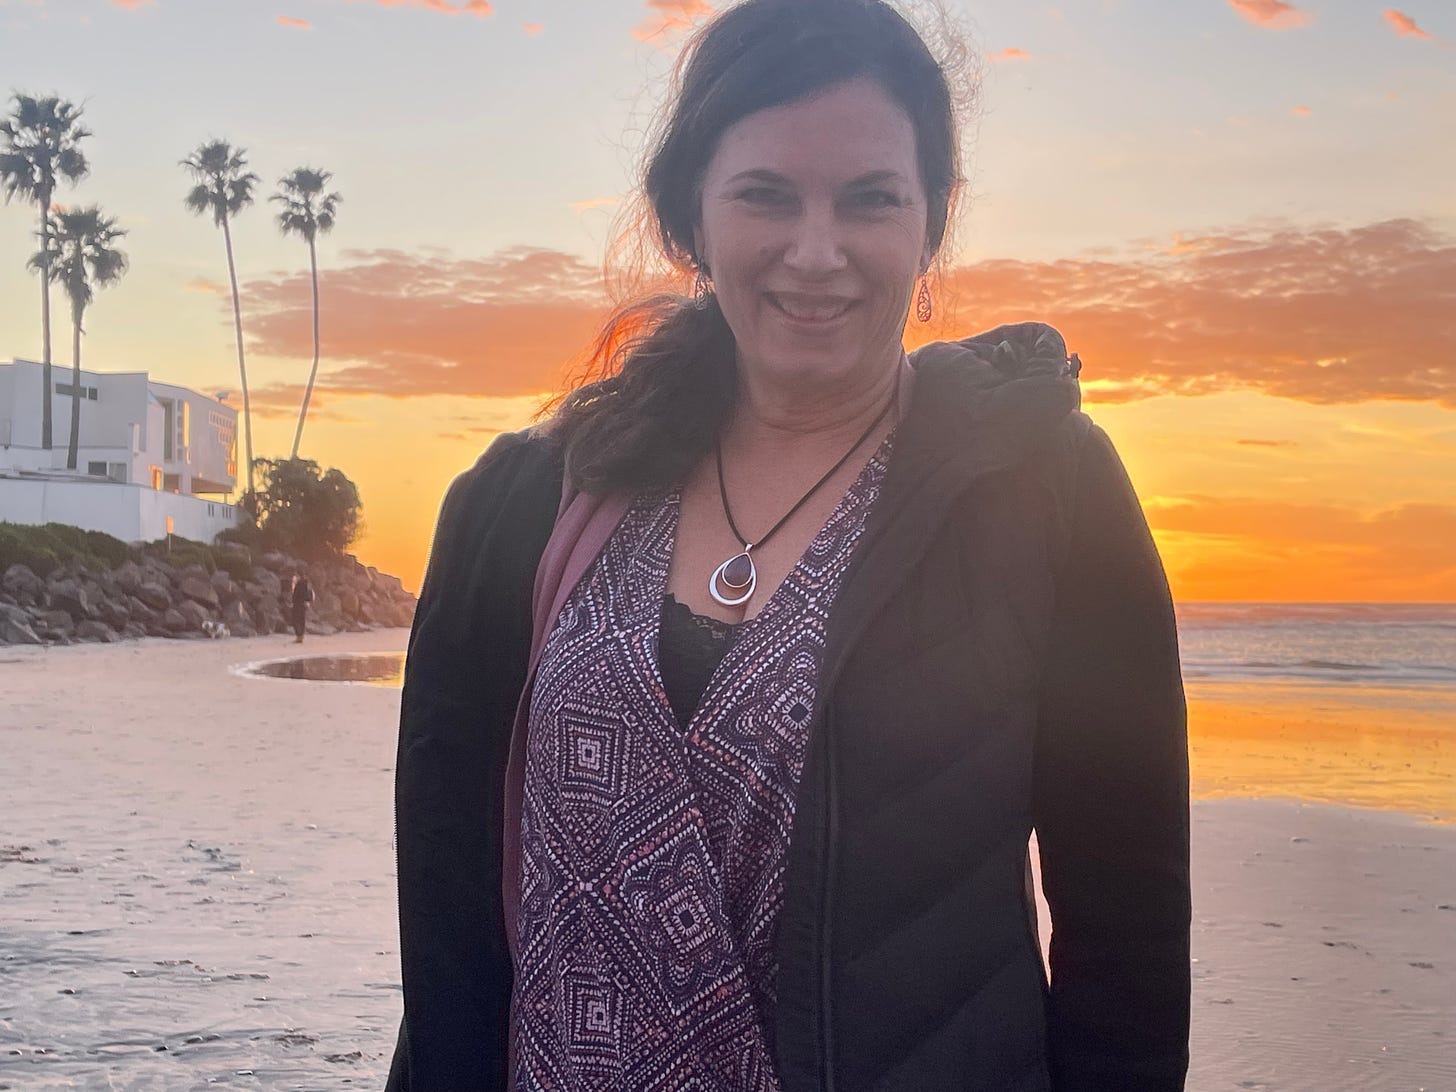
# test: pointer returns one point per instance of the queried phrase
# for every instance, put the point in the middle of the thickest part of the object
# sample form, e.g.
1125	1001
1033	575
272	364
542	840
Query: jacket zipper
831	826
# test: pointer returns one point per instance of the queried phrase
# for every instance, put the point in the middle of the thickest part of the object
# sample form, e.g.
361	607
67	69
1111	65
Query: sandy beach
197	882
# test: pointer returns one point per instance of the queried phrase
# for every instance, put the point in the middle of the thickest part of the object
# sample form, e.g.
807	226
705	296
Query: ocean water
1338	703
1389	646
1400	646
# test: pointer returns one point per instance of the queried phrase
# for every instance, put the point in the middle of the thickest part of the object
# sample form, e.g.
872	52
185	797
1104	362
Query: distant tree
308	513
39	141
81	259
224	187
307	212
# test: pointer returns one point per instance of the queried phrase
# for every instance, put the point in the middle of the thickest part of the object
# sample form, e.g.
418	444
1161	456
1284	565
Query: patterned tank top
653	854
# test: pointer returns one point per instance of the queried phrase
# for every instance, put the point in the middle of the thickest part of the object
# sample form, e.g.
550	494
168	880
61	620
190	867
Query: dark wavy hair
661	377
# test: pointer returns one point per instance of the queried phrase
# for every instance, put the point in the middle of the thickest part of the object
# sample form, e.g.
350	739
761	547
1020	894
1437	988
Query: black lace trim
719	630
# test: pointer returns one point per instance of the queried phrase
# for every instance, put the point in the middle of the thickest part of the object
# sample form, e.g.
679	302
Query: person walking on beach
738	685
301	598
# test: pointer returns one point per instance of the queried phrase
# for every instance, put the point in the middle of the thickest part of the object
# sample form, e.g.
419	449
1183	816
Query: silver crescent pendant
737	577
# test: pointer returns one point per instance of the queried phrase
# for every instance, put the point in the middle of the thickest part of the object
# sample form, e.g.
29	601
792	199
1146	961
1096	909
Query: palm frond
307	211
83	254
39	147
198	199
328	211
224	185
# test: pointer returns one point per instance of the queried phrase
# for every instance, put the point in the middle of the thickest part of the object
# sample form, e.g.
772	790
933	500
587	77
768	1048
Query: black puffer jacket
1002	656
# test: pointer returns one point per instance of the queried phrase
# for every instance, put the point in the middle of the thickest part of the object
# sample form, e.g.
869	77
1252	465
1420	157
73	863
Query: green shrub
306	511
238	568
181	552
19	548
45	548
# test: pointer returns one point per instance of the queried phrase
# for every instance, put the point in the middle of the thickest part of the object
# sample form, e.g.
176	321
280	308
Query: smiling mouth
808	308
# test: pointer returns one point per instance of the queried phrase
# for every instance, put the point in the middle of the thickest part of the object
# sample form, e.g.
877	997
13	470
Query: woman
737	688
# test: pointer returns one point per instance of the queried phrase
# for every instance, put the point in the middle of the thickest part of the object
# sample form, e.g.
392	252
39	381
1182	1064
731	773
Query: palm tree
38	149
81	259
307	212
224	187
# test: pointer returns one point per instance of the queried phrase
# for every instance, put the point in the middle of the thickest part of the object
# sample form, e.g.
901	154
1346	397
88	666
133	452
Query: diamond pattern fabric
653	854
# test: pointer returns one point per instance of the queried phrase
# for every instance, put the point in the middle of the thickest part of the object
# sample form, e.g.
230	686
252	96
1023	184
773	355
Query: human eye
876	200
766	197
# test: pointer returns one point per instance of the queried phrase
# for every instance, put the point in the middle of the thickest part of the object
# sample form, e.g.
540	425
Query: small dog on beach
215	630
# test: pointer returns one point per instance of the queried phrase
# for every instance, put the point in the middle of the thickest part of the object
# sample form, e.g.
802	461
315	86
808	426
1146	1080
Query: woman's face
814	231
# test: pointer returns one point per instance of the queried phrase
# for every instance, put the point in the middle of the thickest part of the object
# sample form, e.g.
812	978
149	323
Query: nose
815	246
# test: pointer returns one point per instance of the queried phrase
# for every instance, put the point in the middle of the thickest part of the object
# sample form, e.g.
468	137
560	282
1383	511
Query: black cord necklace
734	581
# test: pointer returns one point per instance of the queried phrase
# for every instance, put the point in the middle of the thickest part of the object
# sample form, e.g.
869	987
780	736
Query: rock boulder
69	596
154	595
193	614
29	590
199	589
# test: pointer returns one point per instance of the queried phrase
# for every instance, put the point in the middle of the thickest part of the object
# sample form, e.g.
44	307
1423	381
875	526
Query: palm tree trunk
308	391
227	237
74	451
45	321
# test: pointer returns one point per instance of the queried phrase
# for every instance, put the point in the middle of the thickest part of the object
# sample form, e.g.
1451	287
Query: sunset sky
1241	213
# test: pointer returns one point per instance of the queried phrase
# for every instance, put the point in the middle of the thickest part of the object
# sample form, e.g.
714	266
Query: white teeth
809	312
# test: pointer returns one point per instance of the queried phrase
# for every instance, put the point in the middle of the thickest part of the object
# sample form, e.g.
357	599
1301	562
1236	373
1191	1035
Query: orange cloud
132	5
1301	111
1237	548
1403	24
1009	54
667	17
532	29
204	286
445	7
1273	14
281	402
404	324
289	21
1320	315
593	203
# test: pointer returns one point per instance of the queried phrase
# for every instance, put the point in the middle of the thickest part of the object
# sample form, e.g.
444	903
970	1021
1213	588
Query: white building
153	458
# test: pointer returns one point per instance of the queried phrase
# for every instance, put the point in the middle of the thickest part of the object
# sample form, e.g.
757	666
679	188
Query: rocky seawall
147	596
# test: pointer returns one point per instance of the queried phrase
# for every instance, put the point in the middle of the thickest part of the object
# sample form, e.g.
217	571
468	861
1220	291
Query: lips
805	308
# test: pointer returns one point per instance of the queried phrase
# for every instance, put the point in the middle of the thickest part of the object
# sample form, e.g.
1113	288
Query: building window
96	470
157	478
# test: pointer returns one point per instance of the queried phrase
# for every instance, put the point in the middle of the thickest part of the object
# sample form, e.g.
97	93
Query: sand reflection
1364	746
1377	747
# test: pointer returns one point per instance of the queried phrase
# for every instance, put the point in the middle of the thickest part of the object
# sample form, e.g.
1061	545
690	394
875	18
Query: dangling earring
923	308
702	284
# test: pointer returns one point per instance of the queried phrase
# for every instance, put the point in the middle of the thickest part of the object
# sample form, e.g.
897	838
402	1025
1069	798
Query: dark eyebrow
759	175
873	178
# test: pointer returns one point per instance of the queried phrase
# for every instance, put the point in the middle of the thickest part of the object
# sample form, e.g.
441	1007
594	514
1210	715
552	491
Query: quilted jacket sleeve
463	675
1111	800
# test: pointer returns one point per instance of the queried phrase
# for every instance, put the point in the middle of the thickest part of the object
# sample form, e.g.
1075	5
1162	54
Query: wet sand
206	893
197	882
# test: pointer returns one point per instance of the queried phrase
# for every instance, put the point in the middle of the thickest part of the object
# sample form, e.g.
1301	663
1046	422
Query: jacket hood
990	400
